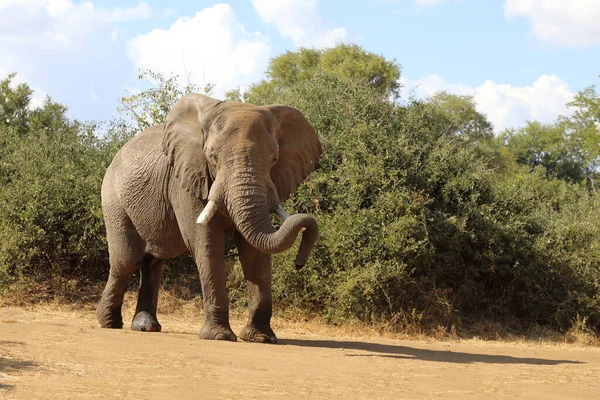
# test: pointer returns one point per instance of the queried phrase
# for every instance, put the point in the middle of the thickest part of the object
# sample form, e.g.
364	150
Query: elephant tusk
282	215
207	213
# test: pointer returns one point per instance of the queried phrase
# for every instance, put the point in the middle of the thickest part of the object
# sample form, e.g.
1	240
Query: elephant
214	168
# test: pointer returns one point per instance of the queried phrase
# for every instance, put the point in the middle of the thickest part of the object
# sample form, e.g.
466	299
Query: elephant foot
251	333
145	322
110	319
217	332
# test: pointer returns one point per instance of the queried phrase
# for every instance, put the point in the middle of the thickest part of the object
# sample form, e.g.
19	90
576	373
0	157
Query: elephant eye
275	159
213	157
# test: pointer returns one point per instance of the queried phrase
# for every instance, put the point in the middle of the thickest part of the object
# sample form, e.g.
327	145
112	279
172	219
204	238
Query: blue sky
520	59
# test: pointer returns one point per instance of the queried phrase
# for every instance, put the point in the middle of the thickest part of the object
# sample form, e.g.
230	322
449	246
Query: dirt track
59	355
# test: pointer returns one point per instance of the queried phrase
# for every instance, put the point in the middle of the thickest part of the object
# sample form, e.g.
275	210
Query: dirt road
61	355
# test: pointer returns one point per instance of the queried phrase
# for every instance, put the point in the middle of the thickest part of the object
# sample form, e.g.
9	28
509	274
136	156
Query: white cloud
210	47
572	23
506	105
299	21
59	24
62	46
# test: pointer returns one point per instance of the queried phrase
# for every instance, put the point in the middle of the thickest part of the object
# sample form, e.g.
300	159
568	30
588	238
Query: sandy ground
51	354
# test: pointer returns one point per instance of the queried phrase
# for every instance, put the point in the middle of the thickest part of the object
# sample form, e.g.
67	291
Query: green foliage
151	106
352	62
557	273
13	109
50	218
417	225
463	119
568	149
347	62
293	67
584	132
234	95
14	104
548	146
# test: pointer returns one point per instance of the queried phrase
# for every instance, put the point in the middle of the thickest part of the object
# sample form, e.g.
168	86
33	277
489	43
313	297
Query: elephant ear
183	142
299	150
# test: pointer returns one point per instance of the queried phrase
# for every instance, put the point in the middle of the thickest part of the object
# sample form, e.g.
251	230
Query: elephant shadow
406	352
12	365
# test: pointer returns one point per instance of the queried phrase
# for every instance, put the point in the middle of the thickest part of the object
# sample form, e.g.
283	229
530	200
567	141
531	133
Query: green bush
50	216
415	222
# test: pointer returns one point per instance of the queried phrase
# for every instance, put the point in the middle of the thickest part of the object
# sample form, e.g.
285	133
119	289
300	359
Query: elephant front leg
210	258
257	271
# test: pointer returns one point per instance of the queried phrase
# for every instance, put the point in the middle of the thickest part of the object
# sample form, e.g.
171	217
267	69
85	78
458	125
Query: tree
151	106
50	218
548	146
463	119
583	127
14	113
347	62
234	95
294	66
14	108
352	62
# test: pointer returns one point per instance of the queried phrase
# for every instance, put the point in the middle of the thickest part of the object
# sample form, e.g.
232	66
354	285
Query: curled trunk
253	220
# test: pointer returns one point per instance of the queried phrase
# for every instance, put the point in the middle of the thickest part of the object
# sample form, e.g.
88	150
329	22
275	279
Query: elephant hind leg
108	311
145	312
126	251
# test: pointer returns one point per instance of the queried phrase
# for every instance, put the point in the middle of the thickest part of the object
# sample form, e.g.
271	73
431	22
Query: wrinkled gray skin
246	159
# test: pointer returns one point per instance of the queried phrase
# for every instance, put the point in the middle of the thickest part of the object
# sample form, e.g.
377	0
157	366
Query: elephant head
244	160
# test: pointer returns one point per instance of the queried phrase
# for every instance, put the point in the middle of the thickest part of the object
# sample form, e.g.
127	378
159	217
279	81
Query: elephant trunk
249	207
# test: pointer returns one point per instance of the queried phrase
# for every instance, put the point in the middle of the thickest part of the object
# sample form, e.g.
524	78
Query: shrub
414	222
50	217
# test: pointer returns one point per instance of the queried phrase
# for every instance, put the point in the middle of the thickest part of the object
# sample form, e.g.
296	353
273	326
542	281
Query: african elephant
211	169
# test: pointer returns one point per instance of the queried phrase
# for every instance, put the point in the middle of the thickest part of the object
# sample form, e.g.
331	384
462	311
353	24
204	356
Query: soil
46	353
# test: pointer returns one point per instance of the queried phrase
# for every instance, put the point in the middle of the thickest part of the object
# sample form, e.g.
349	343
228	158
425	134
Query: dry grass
75	301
